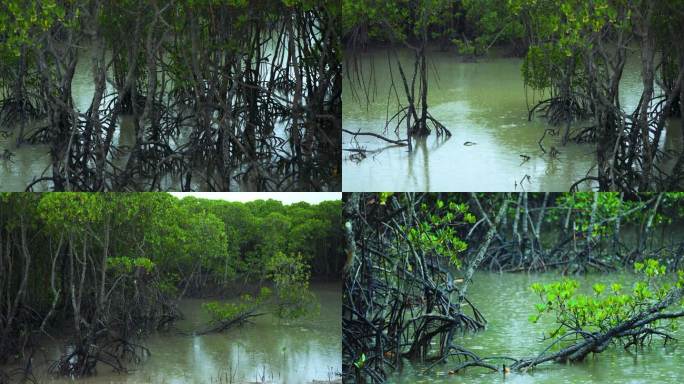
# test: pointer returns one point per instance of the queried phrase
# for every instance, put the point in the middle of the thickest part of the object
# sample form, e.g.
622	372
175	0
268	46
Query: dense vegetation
103	270
575	53
226	93
413	257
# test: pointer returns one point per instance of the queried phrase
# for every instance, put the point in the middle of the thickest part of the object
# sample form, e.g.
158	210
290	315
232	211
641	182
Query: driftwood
401	142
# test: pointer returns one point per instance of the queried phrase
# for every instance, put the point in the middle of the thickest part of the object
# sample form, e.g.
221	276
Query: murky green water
506	302
276	351
482	102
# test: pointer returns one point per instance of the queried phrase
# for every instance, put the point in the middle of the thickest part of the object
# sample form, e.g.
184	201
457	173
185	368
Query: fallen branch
396	142
223	325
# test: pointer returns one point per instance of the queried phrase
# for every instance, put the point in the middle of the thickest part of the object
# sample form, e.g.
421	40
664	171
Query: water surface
506	302
32	162
278	351
483	102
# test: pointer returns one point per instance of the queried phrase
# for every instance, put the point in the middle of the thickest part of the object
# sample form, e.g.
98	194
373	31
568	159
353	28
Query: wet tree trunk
57	255
475	262
423	129
526	245
12	303
19	94
93	129
647	44
226	132
647	226
603	92
516	232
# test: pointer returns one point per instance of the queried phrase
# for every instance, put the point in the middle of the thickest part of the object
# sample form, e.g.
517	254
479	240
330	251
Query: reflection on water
671	141
484	103
32	162
506	302
28	162
270	350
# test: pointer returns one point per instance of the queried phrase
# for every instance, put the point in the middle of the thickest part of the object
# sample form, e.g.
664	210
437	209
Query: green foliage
20	20
168	284
467	48
559	34
226	312
396	21
539	65
361	361
609	205
128	264
189	238
71	211
384	196
290	275
602	310
438	231
488	22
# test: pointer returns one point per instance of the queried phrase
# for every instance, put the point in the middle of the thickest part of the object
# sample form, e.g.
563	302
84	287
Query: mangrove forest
545	95
583	287
146	287
138	95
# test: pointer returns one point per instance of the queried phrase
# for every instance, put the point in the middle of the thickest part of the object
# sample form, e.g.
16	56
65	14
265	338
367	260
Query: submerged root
422	128
400	142
398	305
576	344
82	361
558	110
13	111
585	135
276	95
129	351
416	126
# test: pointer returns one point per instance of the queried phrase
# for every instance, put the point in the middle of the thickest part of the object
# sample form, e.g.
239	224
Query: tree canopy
108	268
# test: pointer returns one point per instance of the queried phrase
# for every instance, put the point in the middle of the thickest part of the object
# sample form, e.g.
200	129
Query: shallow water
506	302
482	102
31	162
297	351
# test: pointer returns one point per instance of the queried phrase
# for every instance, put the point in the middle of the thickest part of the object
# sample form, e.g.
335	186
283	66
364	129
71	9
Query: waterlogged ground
481	102
506	302
268	351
